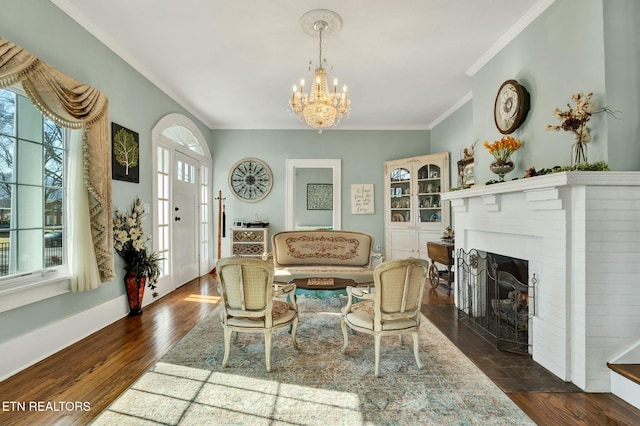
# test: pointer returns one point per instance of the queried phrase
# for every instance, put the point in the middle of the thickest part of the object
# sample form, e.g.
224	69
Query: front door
185	219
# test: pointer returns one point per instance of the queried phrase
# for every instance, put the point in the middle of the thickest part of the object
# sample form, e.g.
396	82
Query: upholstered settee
322	259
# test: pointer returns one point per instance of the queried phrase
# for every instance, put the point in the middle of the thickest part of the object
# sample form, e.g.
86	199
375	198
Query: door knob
177	218
176	208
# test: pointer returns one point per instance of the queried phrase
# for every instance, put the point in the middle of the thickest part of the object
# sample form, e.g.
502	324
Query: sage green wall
622	76
453	135
560	53
362	153
574	45
135	103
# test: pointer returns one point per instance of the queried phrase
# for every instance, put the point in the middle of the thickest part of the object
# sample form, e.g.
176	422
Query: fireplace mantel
547	181
580	233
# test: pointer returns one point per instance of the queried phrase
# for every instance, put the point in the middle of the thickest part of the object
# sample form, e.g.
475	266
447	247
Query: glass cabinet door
429	188
400	195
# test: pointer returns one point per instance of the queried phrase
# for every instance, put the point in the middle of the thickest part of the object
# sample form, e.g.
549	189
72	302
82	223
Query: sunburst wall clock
250	179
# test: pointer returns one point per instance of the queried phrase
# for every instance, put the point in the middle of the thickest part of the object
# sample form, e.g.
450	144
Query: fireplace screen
494	299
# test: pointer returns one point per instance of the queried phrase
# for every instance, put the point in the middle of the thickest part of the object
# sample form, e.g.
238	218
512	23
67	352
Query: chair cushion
360	275
279	309
361	315
366	307
280	313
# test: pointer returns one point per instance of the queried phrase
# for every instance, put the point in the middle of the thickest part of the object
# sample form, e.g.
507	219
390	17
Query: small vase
135	292
501	168
578	153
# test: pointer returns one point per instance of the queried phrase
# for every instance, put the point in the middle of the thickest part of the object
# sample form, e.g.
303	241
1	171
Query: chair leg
345	335
376	346
416	348
267	349
227	346
294	327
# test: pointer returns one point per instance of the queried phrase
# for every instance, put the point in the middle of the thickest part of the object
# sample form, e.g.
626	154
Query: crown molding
453	108
508	37
93	29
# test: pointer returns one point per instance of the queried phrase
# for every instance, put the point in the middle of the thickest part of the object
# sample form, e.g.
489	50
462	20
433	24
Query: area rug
315	384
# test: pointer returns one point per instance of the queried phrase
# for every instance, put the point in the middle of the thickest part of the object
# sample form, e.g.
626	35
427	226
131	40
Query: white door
185	219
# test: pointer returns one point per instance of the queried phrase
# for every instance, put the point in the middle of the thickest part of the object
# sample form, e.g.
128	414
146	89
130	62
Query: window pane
29	250
29	163
54	208
53	166
29	207
5	206
29	121
7	112
53	248
4	251
7	149
53	134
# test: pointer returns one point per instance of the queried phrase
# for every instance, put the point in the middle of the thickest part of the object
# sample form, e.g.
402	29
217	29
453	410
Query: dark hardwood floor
97	369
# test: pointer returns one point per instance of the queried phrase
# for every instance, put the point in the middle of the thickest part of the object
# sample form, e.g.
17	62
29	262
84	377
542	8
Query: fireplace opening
495	299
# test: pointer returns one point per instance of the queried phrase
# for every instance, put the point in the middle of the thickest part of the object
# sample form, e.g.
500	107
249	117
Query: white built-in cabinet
414	211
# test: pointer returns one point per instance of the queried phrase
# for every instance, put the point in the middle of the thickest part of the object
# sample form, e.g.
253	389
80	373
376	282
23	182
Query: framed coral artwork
125	154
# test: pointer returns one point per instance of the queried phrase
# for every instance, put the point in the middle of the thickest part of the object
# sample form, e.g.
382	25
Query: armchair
393	308
247	291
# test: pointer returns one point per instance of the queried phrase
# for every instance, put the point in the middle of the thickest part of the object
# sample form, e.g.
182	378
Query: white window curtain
82	258
74	105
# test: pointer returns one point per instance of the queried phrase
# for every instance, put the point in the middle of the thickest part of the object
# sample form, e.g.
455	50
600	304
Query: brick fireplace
580	234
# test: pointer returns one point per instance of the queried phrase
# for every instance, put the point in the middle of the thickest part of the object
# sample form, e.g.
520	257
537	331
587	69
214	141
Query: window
204	213
164	216
32	192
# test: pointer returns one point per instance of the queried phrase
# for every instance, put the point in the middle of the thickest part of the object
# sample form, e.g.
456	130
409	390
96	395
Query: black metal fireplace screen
494	300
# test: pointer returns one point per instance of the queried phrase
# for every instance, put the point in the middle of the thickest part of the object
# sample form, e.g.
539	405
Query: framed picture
362	199
319	196
469	175
466	172
125	154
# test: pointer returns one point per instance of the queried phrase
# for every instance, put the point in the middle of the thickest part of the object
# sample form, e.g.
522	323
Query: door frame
167	282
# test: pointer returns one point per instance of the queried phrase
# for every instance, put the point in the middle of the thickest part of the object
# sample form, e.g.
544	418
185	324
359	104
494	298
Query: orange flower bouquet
502	151
503	148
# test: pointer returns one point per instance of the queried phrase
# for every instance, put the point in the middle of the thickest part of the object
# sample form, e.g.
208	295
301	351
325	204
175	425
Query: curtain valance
75	105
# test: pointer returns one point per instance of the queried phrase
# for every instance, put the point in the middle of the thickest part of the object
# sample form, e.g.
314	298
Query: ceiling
233	63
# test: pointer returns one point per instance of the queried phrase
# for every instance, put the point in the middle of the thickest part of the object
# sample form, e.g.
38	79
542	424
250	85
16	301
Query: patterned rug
315	384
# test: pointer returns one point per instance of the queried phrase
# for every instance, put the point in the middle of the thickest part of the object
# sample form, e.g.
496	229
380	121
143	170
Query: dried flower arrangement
574	120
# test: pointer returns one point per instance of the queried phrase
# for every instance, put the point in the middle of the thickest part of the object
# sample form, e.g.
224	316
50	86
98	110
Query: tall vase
578	153
135	292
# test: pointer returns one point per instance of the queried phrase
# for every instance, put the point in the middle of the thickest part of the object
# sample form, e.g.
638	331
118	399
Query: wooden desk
440	253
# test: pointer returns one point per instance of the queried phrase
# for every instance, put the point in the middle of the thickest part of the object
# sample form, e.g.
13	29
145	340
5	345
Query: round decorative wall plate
250	179
511	106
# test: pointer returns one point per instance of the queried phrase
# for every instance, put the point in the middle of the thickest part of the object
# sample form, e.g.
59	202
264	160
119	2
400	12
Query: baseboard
625	389
30	348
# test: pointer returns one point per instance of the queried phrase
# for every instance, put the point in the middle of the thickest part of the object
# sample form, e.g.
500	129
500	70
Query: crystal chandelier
320	108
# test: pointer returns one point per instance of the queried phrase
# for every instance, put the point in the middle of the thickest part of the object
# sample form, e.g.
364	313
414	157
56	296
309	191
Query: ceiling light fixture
320	108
